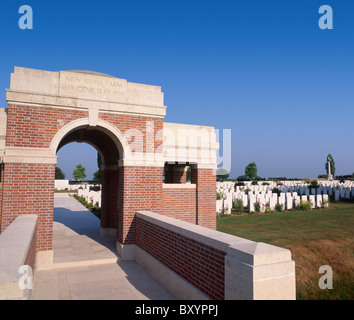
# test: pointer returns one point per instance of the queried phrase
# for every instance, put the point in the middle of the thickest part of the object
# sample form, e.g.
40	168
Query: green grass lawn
315	237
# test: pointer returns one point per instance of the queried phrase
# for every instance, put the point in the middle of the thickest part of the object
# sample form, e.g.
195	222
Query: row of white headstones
93	197
291	194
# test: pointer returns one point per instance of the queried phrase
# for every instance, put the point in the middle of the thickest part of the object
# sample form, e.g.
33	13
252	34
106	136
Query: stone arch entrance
124	122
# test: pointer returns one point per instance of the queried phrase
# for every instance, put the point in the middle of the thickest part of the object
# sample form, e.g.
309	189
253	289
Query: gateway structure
124	122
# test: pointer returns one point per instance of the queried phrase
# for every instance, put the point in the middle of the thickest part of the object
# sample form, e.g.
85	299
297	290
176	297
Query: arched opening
109	150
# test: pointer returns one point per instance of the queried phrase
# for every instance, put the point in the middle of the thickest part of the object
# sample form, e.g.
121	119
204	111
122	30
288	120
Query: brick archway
111	131
124	122
105	139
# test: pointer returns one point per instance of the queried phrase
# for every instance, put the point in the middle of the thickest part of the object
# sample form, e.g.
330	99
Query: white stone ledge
15	243
179	186
41	100
215	239
247	251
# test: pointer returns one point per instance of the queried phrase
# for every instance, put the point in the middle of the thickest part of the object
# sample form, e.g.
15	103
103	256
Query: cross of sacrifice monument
329	176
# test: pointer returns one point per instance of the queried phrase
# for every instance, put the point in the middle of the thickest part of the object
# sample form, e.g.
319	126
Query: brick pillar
109	200
140	189
205	179
29	189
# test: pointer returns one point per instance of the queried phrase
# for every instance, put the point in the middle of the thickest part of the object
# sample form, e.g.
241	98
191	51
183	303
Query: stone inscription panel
93	87
84	89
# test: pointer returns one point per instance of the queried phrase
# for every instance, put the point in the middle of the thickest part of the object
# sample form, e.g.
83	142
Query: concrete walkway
86	265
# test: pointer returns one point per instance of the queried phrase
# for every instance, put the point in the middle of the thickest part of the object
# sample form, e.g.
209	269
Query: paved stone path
86	265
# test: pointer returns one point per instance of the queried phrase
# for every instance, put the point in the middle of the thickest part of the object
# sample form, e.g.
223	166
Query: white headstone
330	191
252	200
262	202
347	193
336	195
244	199
319	201
289	202
325	200
312	201
219	206
281	201
342	192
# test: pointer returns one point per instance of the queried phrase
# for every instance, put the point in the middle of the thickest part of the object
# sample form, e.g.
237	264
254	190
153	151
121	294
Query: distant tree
79	173
189	174
242	178
333	167
97	177
251	171
59	174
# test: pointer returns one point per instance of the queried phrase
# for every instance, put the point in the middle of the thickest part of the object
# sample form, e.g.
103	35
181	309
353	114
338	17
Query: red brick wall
36	126
199	264
179	203
29	189
109	198
120	229
32	250
139	124
206	190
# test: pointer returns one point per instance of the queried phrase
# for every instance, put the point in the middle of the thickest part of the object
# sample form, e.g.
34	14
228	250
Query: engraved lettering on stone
86	85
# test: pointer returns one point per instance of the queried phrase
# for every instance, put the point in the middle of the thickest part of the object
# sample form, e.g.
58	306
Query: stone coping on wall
15	244
179	185
251	252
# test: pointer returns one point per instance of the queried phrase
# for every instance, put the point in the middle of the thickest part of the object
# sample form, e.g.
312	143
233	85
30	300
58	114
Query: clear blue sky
263	69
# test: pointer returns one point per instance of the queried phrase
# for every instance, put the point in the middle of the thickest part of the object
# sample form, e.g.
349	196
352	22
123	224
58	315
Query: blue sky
263	69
